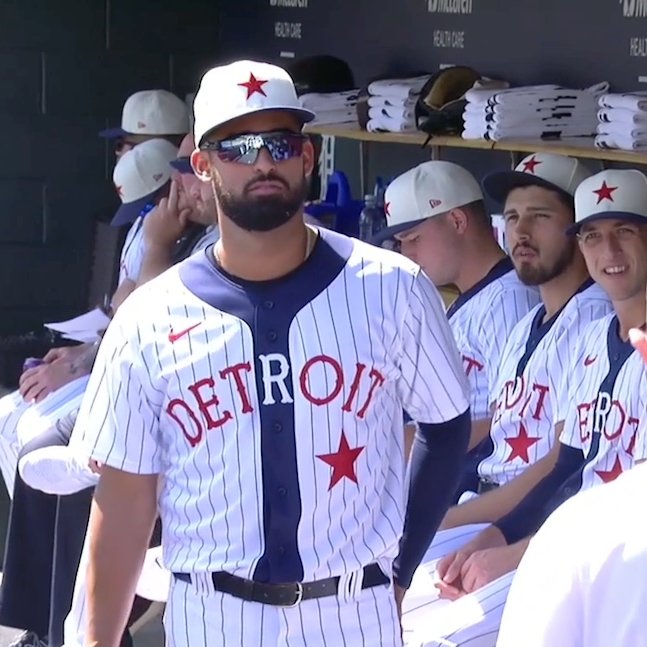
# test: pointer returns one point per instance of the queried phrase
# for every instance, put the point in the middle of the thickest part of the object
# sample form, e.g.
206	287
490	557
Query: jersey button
268	305
282	491
272	336
277	427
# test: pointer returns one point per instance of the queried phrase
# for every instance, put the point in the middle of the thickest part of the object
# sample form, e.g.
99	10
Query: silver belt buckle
298	599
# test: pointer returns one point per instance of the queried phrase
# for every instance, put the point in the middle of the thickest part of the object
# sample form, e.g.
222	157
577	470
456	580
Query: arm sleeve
118	423
436	462
536	506
432	384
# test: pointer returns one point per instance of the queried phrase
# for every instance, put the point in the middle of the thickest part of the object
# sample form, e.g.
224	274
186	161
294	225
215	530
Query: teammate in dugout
264	381
437	214
527	398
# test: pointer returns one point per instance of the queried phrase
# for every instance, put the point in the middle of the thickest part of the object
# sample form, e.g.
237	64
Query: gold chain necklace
311	239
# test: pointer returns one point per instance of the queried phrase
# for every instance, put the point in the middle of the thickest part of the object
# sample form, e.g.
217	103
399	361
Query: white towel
329	100
623	130
623	143
622	116
339	116
393	112
629	100
388	124
390	102
398	88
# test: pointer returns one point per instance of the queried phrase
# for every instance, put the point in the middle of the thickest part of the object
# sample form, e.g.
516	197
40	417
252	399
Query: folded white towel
375	101
393	112
629	100
388	124
339	116
623	143
329	100
622	116
623	130
398	88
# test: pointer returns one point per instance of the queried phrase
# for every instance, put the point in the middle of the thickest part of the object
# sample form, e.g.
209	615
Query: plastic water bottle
371	219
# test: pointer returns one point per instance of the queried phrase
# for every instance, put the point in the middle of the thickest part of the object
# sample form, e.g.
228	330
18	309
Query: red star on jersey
605	192
342	462
529	165
613	473
521	444
253	86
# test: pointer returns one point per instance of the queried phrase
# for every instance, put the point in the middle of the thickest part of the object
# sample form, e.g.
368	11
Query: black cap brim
183	165
390	232
112	133
497	185
607	215
128	212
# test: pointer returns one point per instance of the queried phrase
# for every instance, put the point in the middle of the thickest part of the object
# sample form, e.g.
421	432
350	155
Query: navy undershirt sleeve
436	467
531	512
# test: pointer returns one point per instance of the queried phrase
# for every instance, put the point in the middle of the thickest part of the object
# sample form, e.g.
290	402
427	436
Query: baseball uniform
532	374
582	579
311	372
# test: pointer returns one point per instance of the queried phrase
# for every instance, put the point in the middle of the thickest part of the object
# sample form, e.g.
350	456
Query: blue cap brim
390	232
183	165
128	212
497	185
607	215
112	133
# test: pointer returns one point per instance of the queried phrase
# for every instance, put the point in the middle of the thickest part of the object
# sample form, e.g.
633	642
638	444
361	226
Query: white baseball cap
243	88
547	170
618	194
139	175
427	190
151	112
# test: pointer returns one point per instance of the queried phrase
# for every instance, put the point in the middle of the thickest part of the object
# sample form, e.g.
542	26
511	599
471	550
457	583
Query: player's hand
37	383
638	340
166	223
485	566
95	466
399	593
66	353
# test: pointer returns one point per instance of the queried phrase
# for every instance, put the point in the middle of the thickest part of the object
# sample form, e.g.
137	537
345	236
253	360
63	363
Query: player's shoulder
508	288
521	328
592	299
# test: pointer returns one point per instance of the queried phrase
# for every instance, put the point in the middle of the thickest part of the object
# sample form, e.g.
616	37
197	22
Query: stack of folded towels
537	111
391	104
331	107
623	121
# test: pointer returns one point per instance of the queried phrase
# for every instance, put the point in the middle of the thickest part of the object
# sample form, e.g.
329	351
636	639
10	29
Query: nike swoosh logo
589	360
174	336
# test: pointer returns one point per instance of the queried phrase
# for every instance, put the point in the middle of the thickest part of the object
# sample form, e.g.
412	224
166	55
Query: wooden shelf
574	146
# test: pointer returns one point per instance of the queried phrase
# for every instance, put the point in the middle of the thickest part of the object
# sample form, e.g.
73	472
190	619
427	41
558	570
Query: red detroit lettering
470	364
607	416
321	381
515	396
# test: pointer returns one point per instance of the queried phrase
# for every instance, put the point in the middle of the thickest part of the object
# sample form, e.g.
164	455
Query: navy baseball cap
546	170
183	165
140	176
151	112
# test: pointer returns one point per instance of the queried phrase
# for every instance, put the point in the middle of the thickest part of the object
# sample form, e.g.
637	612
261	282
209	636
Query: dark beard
540	275
262	213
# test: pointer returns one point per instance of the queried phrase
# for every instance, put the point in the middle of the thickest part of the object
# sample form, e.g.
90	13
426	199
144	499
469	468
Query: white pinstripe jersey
607	395
530	383
132	252
274	410
481	320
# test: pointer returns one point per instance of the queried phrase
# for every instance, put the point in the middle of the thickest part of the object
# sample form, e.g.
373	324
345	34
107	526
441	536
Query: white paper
84	328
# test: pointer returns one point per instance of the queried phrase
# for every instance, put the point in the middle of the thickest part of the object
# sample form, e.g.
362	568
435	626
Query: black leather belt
485	485
285	595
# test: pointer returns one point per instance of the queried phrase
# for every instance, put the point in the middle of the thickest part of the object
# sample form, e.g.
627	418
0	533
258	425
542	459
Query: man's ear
458	218
308	158
201	165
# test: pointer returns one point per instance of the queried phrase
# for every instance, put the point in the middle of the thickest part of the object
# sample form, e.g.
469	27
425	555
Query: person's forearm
157	259
436	466
124	290
480	431
121	523
496	503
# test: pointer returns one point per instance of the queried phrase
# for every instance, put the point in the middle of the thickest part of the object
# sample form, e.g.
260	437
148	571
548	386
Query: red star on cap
342	462
253	85
521	444
605	192
387	209
529	165
613	473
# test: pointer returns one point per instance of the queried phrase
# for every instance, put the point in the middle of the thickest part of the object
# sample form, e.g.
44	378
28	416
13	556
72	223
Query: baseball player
538	209
437	214
30	552
264	380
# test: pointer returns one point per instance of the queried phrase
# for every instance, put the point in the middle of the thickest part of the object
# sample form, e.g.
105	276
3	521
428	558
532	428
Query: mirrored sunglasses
244	149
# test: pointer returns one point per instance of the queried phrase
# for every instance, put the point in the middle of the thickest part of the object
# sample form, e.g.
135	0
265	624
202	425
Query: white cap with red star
620	194
547	170
151	112
427	190
139	175
243	88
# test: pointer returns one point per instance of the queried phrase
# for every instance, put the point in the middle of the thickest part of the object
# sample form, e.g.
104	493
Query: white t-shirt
583	579
274	410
